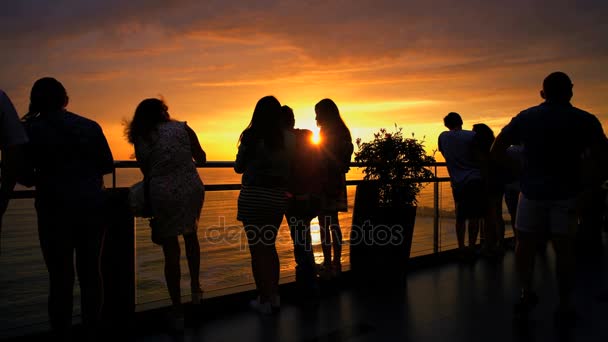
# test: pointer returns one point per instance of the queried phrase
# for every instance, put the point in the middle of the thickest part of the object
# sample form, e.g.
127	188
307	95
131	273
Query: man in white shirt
12	137
456	145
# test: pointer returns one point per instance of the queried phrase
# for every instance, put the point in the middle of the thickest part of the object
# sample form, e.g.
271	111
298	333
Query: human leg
494	226
525	251
325	234
336	234
171	251
563	225
475	203
564	268
460	217
252	232
88	266
56	243
532	223
460	232
299	228
473	228
463	213
511	200
500	222
264	258
193	255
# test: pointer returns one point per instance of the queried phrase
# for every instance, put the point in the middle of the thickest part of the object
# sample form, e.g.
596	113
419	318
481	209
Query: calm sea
225	260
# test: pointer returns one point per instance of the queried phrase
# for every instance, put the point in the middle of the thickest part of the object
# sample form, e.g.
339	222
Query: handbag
139	199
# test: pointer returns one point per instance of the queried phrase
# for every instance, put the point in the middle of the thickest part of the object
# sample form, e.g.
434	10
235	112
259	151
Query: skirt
260	204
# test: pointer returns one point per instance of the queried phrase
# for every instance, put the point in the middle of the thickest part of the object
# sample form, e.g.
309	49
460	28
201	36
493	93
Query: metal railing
131	164
128	164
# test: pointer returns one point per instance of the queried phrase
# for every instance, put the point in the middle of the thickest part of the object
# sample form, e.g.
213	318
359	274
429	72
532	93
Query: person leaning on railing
166	151
67	156
12	138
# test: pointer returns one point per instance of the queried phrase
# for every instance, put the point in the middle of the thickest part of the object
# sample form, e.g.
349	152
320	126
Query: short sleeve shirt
457	149
11	129
70	154
554	137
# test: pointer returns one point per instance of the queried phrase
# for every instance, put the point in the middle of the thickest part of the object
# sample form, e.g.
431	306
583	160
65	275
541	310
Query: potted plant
385	202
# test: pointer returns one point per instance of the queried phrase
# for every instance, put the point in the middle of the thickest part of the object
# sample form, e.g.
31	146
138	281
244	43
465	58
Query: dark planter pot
381	237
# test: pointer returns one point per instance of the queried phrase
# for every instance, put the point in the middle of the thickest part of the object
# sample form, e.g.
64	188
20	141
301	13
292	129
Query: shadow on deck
441	300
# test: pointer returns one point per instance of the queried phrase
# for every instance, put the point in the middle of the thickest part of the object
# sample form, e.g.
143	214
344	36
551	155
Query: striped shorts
260	204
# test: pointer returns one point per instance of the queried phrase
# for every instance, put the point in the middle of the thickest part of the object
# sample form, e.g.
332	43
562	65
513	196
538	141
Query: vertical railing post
436	214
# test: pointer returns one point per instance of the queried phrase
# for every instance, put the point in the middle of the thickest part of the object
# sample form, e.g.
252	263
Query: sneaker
527	302
197	296
263	308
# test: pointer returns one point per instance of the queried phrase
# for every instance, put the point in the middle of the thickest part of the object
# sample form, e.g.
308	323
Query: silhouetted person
589	233
304	201
554	136
265	151
336	150
493	179
12	138
512	184
457	147
69	155
166	151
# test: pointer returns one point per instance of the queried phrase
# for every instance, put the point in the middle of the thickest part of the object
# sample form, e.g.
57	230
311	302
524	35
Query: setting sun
316	138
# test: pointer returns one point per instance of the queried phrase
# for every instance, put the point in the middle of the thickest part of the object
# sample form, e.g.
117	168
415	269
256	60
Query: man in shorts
554	135
457	147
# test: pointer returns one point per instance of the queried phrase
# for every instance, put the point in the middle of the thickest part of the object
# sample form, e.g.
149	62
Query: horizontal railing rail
130	164
125	164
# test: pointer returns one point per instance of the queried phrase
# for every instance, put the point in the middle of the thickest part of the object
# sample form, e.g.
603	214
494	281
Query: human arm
12	160
105	158
348	152
198	154
12	140
141	161
439	146
244	154
596	154
240	164
507	137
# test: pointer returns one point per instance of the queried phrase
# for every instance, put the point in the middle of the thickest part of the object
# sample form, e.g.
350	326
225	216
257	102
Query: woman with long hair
263	158
337	148
167	152
68	156
493	225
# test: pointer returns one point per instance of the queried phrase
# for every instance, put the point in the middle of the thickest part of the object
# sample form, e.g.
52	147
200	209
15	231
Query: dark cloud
335	30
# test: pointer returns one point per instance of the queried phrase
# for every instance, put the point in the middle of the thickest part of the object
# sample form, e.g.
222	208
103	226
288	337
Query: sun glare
316	138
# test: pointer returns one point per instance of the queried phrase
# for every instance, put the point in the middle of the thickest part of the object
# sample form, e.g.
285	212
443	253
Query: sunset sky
382	62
